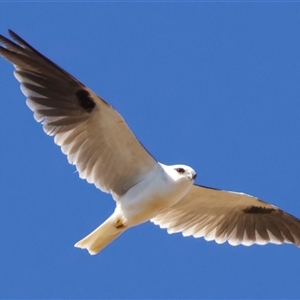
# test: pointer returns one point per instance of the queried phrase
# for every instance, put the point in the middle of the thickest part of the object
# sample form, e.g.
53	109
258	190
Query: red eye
180	170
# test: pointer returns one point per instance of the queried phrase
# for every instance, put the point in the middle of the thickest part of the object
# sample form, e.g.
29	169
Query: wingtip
19	40
4	40
13	34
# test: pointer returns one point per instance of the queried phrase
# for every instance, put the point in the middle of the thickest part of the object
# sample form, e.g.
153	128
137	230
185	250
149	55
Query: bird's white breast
156	192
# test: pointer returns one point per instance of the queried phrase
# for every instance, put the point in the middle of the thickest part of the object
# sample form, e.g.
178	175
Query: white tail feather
100	237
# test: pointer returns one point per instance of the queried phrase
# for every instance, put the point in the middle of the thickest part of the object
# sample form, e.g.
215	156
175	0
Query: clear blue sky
211	85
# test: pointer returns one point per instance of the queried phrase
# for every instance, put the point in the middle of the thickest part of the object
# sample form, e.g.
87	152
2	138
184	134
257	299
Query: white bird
97	140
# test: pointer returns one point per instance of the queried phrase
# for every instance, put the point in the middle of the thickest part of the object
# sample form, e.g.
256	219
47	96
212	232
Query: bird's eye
180	170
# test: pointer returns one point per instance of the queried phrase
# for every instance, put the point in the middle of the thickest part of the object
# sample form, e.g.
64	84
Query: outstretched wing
228	216
90	132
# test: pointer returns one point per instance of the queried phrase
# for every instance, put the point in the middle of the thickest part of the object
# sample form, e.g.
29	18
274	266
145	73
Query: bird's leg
120	224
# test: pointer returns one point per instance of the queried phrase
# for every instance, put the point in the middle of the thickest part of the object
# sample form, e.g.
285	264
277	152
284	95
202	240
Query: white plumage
96	139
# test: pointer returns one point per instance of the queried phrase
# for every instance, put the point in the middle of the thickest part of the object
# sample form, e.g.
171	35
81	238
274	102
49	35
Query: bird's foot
120	224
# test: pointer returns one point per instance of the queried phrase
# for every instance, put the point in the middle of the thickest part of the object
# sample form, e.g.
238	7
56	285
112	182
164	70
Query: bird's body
96	139
161	189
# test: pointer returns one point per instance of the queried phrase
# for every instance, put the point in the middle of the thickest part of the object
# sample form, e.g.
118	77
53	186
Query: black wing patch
258	210
85	100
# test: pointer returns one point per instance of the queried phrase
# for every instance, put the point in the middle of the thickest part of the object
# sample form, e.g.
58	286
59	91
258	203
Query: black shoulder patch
258	210
85	100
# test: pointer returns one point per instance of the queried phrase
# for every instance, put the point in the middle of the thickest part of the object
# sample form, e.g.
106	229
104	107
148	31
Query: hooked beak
193	176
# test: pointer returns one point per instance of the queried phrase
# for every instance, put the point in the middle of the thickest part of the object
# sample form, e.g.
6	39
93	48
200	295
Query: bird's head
183	172
180	173
180	177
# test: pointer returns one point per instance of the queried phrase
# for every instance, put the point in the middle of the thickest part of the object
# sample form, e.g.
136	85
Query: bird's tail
100	237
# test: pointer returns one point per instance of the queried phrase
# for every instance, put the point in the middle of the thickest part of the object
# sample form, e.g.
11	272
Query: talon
119	224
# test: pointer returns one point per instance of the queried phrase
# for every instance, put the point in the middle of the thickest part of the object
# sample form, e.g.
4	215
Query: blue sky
211	85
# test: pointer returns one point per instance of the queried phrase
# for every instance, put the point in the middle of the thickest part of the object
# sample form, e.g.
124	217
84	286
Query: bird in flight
96	139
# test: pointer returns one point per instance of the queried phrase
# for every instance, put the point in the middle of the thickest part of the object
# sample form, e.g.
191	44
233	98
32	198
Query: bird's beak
193	176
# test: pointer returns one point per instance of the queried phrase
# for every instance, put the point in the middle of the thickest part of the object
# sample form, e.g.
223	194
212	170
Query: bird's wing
228	216
90	132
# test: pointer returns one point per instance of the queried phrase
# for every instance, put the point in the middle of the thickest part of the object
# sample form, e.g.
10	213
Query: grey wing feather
90	132
228	216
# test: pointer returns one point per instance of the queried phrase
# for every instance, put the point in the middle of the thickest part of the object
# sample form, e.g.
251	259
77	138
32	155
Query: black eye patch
180	170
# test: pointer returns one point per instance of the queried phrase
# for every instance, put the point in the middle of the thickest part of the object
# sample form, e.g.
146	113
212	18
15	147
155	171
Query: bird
97	140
